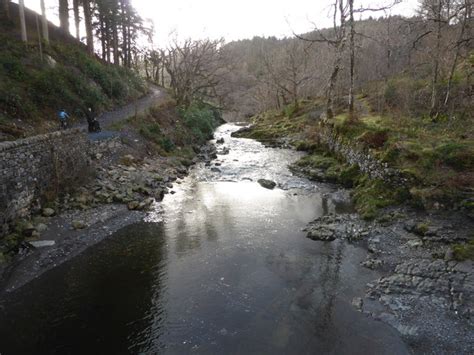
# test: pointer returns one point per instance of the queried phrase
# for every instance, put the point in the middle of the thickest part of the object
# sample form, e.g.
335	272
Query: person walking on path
63	118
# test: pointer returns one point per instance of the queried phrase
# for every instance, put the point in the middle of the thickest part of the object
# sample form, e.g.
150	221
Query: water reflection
92	301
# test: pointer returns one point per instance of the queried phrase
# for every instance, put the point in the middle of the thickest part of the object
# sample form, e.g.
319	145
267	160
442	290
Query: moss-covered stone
371	195
462	252
421	229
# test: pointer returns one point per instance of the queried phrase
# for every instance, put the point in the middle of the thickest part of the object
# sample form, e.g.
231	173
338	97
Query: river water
220	267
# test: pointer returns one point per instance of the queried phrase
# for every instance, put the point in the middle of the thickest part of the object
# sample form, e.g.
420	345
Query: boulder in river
326	233
41	227
268	184
331	227
78	224
132	206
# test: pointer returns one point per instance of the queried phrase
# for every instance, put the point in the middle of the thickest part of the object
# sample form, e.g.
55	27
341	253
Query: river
221	266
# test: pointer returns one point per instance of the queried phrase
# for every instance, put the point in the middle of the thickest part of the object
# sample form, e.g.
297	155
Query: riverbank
132	166
423	254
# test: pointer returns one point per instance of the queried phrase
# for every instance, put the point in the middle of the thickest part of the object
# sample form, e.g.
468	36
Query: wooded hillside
44	68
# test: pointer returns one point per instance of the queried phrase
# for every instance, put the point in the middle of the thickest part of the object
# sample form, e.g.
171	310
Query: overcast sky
234	19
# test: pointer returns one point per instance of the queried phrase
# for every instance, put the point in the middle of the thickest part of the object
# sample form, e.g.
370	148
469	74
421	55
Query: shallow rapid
221	266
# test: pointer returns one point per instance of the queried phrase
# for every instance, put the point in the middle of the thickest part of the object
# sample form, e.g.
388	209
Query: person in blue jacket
63	117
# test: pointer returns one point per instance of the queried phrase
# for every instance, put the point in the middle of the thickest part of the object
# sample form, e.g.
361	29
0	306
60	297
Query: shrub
201	120
374	139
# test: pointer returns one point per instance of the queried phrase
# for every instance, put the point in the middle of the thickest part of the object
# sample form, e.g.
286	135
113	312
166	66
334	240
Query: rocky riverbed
125	187
424	293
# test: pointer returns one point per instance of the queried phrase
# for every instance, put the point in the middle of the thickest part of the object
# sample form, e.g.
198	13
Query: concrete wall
35	167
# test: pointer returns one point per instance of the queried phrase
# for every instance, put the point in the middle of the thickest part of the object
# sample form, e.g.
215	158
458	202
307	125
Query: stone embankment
355	154
35	167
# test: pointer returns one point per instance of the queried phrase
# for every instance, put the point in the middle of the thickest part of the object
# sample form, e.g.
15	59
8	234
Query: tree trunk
64	15
434	88
123	9
44	23
88	23
129	45
337	61
332	84
163	75
77	19
24	37
352	60
6	8
107	40
115	43
102	38
38	31
464	25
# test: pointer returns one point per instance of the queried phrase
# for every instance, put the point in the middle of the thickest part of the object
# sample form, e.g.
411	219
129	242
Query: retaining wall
34	167
356	154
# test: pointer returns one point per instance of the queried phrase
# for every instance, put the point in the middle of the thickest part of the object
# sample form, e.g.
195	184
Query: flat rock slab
43	243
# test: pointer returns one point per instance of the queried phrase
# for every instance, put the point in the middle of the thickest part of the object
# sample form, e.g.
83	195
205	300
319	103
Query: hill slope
34	87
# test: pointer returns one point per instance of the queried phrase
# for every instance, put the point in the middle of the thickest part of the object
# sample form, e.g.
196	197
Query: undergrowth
174	130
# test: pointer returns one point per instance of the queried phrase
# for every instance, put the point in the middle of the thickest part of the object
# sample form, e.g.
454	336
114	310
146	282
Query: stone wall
40	166
355	154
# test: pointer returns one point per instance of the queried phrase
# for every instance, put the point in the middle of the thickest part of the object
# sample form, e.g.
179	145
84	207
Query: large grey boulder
268	184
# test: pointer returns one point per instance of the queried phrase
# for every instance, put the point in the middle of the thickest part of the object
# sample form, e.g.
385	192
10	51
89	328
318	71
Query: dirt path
106	119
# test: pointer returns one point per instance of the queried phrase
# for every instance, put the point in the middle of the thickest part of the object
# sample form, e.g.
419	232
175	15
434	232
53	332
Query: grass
270	126
438	158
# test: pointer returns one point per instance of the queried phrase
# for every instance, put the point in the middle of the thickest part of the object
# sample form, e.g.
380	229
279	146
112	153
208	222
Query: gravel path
155	96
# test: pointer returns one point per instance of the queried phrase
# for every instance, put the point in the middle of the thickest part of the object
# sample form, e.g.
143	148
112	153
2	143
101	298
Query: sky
234	19
237	19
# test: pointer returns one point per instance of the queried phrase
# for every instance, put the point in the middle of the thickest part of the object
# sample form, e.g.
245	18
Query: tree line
421	65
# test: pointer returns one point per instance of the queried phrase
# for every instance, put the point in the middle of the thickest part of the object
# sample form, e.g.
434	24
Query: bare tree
286	71
195	69
343	16
337	40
